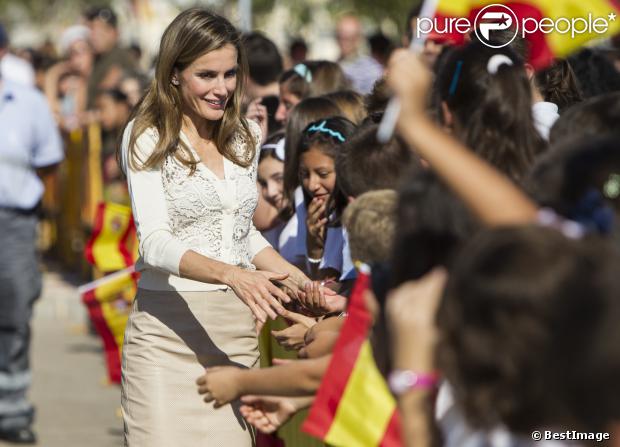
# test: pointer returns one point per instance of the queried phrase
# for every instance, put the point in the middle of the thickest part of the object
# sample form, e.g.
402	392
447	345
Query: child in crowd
292	240
484	98
308	79
270	179
317	151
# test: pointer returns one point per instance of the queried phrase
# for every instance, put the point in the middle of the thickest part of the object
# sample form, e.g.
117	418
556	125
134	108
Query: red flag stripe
352	336
112	353
392	436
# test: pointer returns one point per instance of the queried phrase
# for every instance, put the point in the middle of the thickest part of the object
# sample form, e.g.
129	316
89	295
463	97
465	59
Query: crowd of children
489	219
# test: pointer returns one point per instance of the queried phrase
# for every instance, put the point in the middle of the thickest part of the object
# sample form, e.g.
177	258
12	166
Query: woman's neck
197	126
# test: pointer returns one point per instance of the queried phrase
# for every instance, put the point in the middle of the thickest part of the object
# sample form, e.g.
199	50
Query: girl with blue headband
317	151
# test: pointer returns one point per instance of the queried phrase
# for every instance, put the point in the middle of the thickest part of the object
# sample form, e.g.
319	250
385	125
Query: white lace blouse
175	212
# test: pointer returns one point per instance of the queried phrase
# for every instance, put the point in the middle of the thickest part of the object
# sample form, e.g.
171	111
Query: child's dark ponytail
488	95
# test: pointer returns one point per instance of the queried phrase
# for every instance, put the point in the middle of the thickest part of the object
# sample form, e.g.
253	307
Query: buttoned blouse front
175	212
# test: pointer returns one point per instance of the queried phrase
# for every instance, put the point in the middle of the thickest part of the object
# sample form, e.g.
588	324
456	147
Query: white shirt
545	115
175	212
17	70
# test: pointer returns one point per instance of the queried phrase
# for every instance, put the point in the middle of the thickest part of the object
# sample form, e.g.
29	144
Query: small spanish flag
554	28
108	301
354	407
112	245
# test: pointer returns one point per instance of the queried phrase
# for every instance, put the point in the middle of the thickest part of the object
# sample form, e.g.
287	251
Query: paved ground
75	406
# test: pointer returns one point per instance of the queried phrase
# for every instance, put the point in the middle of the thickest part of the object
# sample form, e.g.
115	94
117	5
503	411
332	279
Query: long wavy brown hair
191	34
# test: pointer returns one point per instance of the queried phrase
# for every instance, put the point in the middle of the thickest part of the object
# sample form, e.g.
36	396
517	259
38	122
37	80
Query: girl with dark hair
485	98
317	174
292	243
554	89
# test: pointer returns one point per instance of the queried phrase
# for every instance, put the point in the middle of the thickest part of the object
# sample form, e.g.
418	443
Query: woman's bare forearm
201	268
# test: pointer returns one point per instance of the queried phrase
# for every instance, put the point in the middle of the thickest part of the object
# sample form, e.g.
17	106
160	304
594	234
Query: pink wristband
401	381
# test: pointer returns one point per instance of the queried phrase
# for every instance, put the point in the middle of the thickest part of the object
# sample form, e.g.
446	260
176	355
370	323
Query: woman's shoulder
144	143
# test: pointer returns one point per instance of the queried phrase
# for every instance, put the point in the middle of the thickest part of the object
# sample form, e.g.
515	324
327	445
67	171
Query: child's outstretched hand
292	338
321	300
268	413
219	384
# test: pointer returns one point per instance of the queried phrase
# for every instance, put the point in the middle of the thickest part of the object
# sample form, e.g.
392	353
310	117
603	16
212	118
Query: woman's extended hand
219	384
316	223
258	292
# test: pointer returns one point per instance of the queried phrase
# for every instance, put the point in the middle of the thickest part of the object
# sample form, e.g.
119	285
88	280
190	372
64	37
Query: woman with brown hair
207	276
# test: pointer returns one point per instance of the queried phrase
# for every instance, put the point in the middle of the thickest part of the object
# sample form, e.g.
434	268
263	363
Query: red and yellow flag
108	301
112	245
354	407
554	28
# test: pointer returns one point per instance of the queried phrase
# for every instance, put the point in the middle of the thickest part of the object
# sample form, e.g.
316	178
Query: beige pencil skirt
171	337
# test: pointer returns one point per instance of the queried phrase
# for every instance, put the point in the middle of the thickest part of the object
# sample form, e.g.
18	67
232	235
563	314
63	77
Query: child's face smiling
317	173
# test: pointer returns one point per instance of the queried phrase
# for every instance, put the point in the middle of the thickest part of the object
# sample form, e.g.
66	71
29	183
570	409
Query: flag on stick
108	301
354	407
113	241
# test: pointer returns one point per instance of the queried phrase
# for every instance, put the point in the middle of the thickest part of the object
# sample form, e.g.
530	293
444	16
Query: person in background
111	61
66	81
381	47
133	86
30	149
361	69
297	51
113	110
14	68
265	64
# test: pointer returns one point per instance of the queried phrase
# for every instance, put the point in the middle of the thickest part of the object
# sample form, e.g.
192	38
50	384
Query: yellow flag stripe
365	408
106	252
